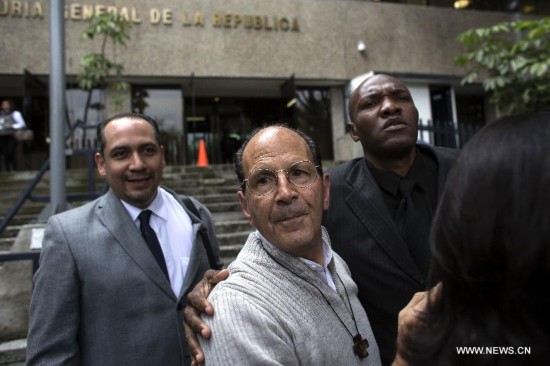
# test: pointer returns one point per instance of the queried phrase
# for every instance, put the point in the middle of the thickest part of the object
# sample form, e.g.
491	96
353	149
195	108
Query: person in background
10	120
491	255
114	273
289	299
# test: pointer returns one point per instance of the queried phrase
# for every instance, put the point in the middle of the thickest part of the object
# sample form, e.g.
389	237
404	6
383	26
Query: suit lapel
194	265
115	218
445	160
366	202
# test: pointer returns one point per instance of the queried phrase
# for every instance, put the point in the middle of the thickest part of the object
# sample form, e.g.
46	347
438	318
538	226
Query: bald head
385	120
364	87
270	130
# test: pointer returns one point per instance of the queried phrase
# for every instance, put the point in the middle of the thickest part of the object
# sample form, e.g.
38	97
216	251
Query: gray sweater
267	315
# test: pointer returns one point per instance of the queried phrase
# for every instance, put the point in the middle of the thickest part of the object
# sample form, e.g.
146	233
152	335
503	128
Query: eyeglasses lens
263	181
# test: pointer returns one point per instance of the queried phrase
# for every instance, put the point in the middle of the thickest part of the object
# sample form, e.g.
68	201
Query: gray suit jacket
100	297
365	235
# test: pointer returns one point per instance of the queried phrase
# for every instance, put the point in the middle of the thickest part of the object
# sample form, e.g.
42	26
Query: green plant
98	71
513	61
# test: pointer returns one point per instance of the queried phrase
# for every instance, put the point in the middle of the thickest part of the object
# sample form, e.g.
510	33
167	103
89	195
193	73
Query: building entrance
223	122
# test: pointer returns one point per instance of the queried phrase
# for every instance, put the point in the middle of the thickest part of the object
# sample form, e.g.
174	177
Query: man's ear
353	131
100	163
163	159
244	207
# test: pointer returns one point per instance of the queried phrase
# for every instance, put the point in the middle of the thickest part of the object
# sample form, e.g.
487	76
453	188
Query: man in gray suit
387	252
100	296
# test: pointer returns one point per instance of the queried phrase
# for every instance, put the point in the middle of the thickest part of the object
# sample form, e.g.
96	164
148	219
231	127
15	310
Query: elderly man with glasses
289	299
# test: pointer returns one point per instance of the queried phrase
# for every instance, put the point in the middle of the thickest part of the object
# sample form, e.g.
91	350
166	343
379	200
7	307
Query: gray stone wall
399	38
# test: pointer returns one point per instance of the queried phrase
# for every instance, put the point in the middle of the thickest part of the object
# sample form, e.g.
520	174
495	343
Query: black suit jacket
366	236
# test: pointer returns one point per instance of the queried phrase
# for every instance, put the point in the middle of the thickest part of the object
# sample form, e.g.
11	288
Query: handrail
34	256
26	194
32	185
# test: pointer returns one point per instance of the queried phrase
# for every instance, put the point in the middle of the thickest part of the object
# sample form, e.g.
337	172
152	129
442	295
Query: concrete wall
399	38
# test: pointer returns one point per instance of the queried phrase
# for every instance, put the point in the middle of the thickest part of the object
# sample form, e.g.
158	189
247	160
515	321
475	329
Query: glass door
165	106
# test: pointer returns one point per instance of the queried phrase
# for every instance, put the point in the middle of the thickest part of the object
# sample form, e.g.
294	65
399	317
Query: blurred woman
491	255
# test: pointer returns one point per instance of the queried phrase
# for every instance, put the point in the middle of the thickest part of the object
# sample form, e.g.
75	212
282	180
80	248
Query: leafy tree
513	60
97	69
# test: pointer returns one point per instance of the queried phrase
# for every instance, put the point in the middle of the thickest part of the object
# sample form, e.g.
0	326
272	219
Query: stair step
227	261
6	244
220	217
11	231
201	190
224	207
217	198
229	239
21	219
230	251
229	227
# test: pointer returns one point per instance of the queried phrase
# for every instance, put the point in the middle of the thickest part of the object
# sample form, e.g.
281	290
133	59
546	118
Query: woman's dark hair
239	169
491	250
100	131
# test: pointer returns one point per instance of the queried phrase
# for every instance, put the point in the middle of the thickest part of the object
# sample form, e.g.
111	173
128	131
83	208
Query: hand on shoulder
198	304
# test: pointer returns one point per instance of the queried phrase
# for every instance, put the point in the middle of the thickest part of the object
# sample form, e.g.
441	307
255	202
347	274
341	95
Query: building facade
216	69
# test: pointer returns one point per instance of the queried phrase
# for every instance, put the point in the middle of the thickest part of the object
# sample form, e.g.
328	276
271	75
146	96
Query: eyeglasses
261	182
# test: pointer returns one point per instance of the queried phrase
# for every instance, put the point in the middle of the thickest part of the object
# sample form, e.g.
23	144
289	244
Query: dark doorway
442	115
470	110
34	106
223	123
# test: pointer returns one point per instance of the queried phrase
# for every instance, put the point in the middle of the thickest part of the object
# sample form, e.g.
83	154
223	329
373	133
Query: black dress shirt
424	198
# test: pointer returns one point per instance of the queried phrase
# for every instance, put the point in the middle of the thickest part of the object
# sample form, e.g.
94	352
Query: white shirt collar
157	207
327	252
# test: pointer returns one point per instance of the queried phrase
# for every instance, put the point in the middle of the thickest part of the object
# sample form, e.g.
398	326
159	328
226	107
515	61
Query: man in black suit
387	252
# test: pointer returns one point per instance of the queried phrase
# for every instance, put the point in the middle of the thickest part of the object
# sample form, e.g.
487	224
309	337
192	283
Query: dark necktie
414	225
152	241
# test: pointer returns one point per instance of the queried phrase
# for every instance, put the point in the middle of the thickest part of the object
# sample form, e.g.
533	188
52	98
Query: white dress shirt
323	272
174	231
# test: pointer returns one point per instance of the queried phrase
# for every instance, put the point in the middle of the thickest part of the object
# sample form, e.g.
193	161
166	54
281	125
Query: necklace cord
360	345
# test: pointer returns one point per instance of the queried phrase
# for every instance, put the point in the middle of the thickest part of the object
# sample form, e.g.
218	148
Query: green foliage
98	71
513	60
110	26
